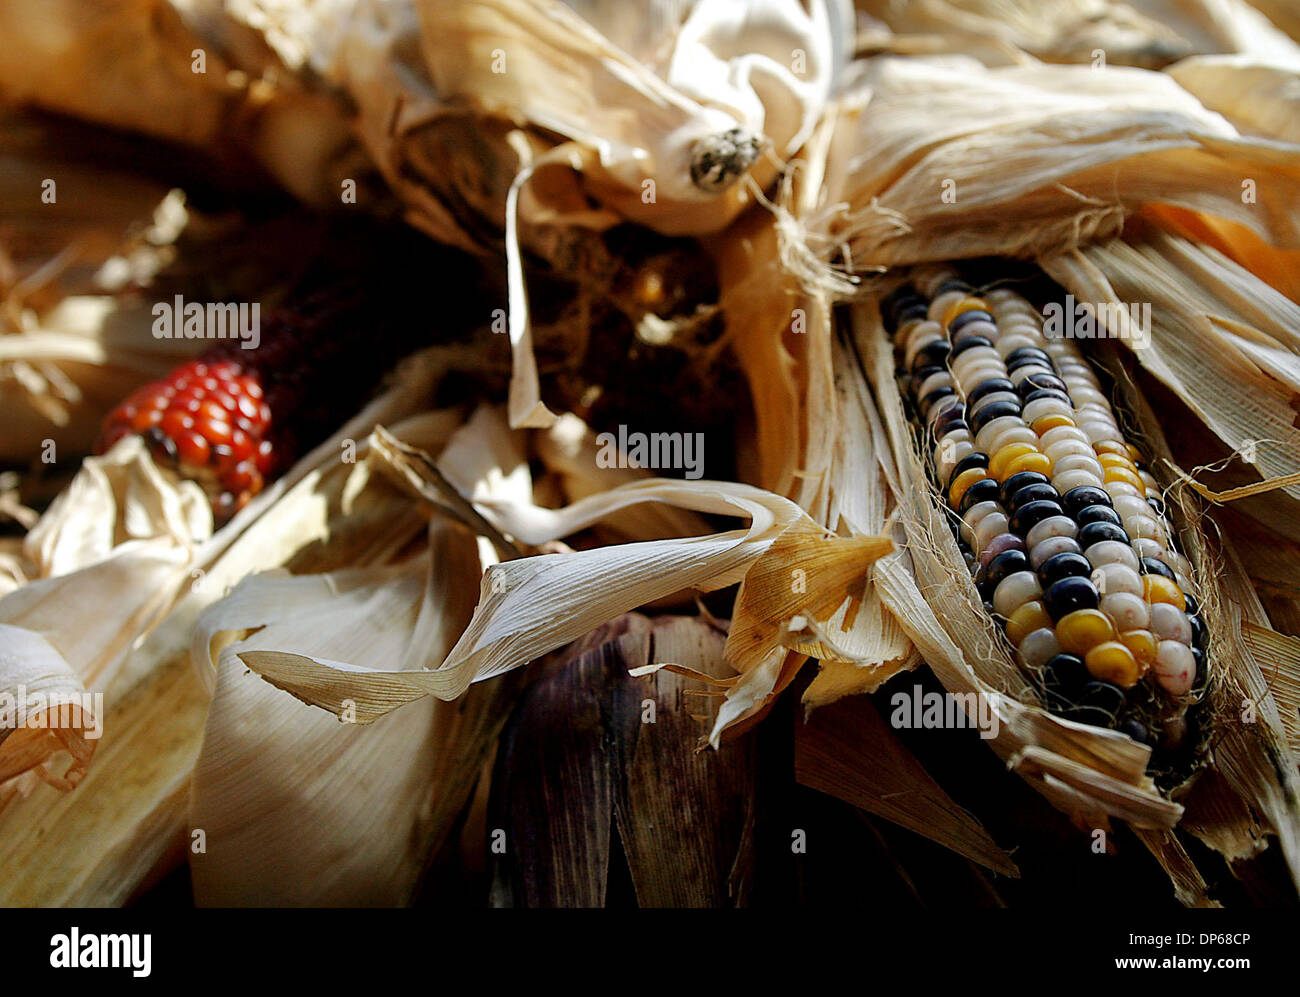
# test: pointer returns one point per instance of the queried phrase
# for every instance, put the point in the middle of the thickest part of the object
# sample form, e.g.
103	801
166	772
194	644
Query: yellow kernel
1082	630
1125	475
1134	452
1142	644
1116	460
1047	422
1110	446
962	482
1158	588
998	462
1025	620
964	305
1112	662
1039	462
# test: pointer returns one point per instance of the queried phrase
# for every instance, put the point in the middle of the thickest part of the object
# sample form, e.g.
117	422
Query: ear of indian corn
1062	526
236	417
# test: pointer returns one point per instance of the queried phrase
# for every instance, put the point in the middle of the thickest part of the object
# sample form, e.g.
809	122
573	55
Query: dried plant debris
669	392
597	779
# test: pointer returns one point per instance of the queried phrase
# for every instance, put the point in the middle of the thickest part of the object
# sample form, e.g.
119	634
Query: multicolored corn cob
1061	525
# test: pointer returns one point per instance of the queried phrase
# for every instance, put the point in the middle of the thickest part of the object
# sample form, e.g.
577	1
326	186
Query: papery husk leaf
1039	159
1221	339
1257	96
1190	887
861	656
1220	818
1129	32
1254	758
612	772
797	578
758	297
1279	658
395	784
95	847
274	773
532	605
571	450
640	121
122	533
1279	268
130	64
850	752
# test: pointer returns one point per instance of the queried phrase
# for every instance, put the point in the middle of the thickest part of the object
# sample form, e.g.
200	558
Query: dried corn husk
1257	96
1146	33
534	604
949	160
849	751
124	528
135	65
106	837
570	450
601	757
1223	340
728	69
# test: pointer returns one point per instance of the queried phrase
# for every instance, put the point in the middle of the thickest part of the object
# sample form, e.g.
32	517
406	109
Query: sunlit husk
949	160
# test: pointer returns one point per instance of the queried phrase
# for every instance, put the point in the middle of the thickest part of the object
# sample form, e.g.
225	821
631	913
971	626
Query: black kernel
1034	396
1095	533
994	410
1041	380
934	352
982	491
1084	495
975	459
1031	514
1026	353
929	398
1152	566
1009	562
1064	565
1069	594
1040	492
1099	703
1018	481
984	388
969	343
966	318
1098	514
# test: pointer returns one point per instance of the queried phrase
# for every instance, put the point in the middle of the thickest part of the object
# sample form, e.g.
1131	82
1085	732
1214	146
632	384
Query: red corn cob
233	418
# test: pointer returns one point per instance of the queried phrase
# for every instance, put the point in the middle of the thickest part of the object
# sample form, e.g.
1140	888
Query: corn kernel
1161	589
963	305
1025	620
1110	661
1084	629
1143	645
999	461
